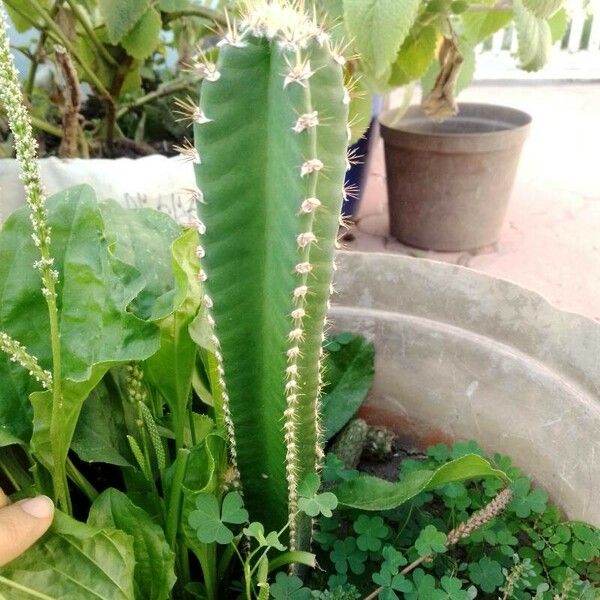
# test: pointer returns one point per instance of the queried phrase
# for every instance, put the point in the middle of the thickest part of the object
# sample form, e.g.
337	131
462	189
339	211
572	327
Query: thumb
21	524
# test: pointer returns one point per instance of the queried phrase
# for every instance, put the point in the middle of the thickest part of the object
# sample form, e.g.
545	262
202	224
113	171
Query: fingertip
40	507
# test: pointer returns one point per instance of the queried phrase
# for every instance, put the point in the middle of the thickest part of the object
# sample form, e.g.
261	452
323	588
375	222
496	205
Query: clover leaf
208	520
346	554
424	587
452	588
393	559
257	531
371	531
487	574
430	541
311	502
232	509
335	470
289	587
391	584
526	500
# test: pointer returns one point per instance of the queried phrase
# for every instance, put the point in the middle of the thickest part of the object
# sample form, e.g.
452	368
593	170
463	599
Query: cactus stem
300	292
200	252
205	68
303	268
305	239
296	334
298	73
202	276
231	36
309	205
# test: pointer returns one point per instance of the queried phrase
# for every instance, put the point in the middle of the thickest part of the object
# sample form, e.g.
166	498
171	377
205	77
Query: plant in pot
435	200
162	383
102	80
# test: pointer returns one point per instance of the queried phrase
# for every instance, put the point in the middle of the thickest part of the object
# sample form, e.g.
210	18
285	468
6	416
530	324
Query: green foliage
349	365
289	587
313	503
209	522
527	552
534	36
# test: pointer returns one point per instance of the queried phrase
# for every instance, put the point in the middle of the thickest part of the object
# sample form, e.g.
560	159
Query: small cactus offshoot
271	136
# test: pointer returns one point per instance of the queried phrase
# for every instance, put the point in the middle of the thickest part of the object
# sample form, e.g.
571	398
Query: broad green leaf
543	8
558	22
121	16
154	572
349	371
96	329
371	493
173	5
26	15
534	37
415	56
143	238
75	561
360	111
100	435
478	26
171	368
378	28
143	39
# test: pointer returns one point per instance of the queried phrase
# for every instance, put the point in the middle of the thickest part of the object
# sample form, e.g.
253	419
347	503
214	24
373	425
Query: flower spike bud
303	268
306	238
306	121
311	166
309	205
299	73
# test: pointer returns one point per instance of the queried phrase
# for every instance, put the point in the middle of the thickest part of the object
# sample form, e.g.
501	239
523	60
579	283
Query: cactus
350	443
271	134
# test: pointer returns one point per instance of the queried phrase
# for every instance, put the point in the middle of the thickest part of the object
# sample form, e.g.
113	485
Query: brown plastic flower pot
449	183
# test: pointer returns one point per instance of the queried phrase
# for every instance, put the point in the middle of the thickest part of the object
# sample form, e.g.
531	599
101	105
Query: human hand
21	524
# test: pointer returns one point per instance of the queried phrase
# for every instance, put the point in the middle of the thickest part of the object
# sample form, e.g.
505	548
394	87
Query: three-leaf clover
430	541
452	589
208	520
289	587
335	470
391	584
371	531
393	559
257	531
346	554
311	502
424	587
526	500
487	574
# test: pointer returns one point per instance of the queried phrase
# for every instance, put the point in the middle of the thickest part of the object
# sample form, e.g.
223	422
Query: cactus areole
270	168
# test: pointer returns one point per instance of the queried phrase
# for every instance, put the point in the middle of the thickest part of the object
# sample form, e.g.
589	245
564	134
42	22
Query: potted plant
104	82
162	383
434	42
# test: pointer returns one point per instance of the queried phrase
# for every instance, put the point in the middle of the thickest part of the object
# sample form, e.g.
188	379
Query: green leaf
232	509
346	554
154	572
487	574
525	500
100	435
311	502
143	39
206	521
430	541
26	17
350	376
360	111
543	8
414	57
452	587
371	531
75	561
121	16
425	588
378	28
289	587
173	5
96	329
257	531
534	37
558	22
478	26
171	369
371	493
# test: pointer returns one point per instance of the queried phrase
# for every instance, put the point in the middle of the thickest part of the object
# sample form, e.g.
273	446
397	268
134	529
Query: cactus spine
271	139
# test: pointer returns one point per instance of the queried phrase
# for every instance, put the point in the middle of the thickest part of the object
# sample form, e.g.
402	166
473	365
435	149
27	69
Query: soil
388	467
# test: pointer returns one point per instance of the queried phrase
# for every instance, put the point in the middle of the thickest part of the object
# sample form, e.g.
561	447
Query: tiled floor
551	237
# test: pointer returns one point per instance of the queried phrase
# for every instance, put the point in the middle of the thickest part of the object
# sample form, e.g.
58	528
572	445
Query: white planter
153	181
462	355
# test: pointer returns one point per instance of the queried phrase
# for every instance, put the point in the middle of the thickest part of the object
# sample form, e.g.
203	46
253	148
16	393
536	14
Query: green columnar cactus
271	134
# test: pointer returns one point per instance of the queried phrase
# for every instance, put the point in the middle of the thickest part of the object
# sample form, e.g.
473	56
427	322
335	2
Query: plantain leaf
74	561
378	28
371	493
154	572
534	36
